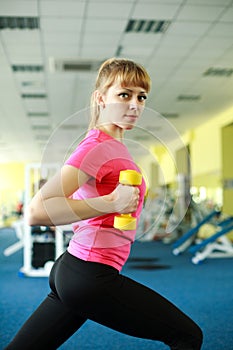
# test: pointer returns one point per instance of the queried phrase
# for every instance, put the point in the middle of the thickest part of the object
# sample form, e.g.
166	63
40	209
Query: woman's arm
52	206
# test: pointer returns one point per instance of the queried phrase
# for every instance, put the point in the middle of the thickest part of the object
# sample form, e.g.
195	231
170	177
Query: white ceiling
198	38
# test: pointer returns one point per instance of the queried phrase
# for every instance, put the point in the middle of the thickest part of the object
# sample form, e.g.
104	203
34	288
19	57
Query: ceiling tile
175	42
64	38
61	51
19	8
92	25
36	105
31	50
188	28
227	58
23	37
199	13
154	11
102	39
219	44
61	24
141	39
227	16
131	51
222	30
99	52
209	2
109	10
62	8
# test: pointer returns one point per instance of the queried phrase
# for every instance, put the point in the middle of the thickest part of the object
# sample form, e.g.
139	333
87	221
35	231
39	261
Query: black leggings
86	290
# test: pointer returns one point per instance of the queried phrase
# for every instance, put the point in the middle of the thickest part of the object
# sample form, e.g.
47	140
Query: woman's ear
99	98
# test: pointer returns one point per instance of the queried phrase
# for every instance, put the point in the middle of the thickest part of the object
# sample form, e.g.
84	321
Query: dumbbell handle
127	222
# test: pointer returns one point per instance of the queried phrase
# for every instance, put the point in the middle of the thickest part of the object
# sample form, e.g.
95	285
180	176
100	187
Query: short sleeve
94	158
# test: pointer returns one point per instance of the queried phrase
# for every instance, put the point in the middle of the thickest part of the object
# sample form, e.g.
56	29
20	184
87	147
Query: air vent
146	26
219	72
72	127
38	114
189	98
170	115
141	138
27	68
41	127
19	22
33	95
67	65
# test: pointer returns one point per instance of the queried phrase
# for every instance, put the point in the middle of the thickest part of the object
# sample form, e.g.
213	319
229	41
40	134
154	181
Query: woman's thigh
132	308
100	293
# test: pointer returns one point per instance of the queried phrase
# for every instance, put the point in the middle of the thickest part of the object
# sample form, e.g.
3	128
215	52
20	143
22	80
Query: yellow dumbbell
126	221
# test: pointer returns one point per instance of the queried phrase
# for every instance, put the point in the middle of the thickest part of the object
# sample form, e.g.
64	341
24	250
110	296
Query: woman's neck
112	130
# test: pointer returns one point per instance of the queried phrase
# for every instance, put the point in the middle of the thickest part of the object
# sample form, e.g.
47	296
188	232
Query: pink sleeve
92	158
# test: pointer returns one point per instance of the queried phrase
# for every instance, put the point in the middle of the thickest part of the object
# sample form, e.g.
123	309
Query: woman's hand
124	199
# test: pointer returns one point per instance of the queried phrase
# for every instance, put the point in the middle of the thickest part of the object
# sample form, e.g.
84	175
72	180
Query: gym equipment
187	239
127	222
18	227
33	244
215	246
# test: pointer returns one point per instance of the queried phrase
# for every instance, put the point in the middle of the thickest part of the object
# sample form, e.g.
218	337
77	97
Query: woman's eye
142	98
124	95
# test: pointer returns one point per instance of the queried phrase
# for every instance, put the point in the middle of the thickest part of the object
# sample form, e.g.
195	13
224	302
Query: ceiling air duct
73	65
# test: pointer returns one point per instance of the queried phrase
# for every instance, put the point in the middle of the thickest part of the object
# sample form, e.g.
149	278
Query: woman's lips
132	118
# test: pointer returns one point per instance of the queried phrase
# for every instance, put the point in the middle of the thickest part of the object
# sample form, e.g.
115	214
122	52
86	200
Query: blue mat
204	292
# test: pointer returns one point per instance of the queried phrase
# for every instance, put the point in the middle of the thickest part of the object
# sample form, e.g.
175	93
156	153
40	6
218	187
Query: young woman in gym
85	281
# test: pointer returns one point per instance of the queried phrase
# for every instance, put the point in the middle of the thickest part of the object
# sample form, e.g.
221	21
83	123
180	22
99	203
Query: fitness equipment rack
33	173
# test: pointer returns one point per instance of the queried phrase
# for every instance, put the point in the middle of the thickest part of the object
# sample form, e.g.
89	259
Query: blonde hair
124	71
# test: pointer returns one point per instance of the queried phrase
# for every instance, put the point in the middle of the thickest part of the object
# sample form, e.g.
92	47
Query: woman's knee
191	341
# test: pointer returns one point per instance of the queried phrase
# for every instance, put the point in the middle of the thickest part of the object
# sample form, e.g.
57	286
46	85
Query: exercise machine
185	241
217	245
34	172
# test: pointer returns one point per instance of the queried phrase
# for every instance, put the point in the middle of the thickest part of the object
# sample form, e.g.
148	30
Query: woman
85	281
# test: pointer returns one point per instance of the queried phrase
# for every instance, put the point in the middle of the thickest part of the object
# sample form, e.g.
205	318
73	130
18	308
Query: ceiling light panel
19	22
25	68
146	26
218	72
34	95
189	98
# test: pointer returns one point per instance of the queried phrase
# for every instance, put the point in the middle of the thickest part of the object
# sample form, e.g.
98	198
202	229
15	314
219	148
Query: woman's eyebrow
141	92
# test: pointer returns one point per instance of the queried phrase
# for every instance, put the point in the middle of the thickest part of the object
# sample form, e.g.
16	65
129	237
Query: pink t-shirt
102	157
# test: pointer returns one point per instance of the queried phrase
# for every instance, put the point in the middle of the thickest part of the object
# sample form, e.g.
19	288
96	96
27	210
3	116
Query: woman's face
122	106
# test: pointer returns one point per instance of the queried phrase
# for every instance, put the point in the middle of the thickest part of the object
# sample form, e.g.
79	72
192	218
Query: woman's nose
134	103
